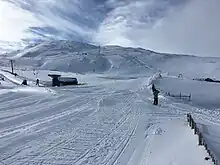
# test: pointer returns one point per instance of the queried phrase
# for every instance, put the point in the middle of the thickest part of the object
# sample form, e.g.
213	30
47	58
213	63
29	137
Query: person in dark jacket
155	93
24	82
38	82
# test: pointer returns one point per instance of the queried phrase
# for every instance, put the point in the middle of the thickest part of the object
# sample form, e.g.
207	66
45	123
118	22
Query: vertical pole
12	67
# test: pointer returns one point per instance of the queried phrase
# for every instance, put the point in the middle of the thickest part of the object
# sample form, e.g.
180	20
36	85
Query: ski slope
109	120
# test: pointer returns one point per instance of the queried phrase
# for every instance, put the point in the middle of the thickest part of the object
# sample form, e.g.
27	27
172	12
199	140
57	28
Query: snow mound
175	143
37	90
153	78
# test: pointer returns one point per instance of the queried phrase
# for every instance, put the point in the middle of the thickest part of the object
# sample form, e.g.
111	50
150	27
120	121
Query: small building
68	81
57	80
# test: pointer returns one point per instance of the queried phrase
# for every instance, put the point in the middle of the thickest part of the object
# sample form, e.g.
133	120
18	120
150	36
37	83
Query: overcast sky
174	26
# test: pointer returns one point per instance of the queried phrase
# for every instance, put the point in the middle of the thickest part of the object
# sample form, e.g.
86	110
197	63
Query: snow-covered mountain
6	47
71	56
110	119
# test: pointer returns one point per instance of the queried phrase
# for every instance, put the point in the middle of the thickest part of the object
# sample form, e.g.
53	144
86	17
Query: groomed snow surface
110	120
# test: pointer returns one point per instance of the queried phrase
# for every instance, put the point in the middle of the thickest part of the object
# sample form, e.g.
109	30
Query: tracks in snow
82	133
99	137
95	141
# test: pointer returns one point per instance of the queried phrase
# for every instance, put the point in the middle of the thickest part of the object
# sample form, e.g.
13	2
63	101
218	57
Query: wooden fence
201	140
180	96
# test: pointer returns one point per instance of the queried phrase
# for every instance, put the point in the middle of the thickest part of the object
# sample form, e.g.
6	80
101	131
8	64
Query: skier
38	82
24	82
156	92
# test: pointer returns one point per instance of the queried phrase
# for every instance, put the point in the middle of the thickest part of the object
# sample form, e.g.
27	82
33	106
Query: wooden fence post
193	124
213	158
190	121
206	147
195	129
188	115
209	152
200	138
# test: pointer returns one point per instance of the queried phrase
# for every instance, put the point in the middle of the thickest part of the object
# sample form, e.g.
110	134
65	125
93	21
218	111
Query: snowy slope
110	120
7	47
207	90
71	56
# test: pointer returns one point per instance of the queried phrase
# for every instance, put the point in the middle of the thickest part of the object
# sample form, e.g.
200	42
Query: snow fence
203	140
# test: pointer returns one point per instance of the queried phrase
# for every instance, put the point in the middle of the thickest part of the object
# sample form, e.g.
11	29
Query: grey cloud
187	27
174	26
